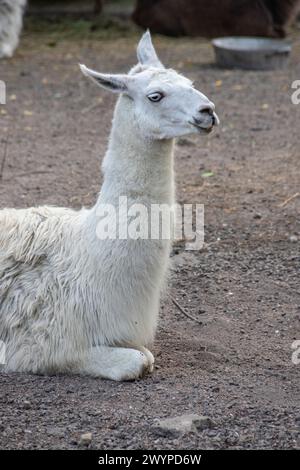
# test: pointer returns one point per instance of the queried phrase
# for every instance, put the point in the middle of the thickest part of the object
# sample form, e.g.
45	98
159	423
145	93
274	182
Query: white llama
69	301
11	20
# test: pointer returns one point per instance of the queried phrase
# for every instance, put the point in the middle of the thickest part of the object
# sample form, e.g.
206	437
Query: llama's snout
206	117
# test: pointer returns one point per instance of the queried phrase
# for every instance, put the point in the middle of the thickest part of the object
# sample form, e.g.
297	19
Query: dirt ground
236	366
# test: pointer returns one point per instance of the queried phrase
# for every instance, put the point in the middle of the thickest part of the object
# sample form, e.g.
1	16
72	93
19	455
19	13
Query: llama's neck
134	166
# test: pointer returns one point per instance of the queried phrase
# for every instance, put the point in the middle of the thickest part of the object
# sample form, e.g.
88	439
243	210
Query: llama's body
62	294
11	20
63	290
71	302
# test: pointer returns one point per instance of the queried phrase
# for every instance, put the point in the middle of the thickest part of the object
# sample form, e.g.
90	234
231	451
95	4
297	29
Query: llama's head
166	105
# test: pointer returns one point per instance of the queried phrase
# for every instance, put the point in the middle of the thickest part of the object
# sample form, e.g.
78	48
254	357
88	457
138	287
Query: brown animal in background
211	18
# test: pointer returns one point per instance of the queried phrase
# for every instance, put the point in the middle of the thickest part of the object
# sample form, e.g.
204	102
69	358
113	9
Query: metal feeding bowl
252	53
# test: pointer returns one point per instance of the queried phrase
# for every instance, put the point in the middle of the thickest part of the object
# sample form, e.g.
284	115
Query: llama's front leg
117	363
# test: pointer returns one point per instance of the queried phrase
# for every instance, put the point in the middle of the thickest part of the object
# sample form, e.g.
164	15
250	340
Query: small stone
183	424
203	422
85	439
232	439
26	404
293	239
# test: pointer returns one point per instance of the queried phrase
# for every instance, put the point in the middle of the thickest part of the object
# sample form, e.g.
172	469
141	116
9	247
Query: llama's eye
155	97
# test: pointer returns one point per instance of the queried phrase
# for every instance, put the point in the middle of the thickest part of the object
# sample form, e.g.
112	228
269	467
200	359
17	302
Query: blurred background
208	18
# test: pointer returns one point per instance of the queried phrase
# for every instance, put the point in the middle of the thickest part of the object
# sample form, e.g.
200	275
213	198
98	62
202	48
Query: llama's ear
146	53
115	83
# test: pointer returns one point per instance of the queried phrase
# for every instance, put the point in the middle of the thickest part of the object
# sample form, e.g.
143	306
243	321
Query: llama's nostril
207	110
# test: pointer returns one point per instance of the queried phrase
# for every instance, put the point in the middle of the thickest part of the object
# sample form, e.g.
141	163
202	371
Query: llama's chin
207	131
203	130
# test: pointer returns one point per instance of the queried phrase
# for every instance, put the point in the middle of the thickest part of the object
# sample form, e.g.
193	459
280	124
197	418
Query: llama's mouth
205	124
202	130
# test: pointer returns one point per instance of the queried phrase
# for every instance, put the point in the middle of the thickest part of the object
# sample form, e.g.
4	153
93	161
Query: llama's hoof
134	365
